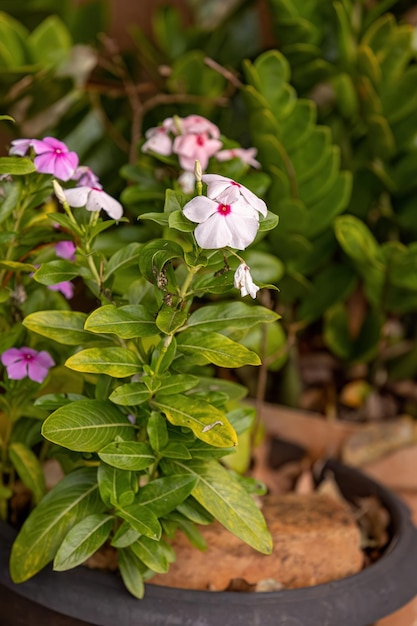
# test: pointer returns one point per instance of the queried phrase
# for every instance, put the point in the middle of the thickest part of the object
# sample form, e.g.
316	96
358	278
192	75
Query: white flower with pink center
222	224
195	147
228	191
243	281
94	200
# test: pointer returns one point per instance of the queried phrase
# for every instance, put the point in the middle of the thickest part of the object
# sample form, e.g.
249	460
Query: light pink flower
198	125
228	191
94	200
246	155
53	157
65	250
158	141
85	177
220	224
20	147
195	147
243	281
26	362
65	287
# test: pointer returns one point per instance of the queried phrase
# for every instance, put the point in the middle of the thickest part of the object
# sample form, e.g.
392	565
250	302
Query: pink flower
94	200
158	141
26	362
85	177
65	287
220	224
228	191
198	124
20	147
246	155
53	157
195	147
65	250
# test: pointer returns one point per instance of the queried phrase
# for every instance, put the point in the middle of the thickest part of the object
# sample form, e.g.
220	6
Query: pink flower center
58	151
232	182
200	140
27	357
224	209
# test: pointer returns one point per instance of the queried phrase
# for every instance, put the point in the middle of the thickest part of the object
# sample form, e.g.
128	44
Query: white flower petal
199	209
78	196
213	233
243	231
98	199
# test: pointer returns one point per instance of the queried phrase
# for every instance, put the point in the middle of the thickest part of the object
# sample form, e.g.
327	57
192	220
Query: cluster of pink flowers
193	138
53	157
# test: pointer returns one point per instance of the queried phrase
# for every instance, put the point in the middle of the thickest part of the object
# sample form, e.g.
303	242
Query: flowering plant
124	395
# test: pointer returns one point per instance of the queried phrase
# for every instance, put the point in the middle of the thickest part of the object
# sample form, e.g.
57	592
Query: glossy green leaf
116	362
170	319
164	494
127	455
124	536
16	166
229	315
177	383
55	272
115	485
155	255
131	574
70	501
65	327
151	553
29	469
125	257
131	394
142	519
206	421
217	349
87	425
219	492
126	322
157	431
82	541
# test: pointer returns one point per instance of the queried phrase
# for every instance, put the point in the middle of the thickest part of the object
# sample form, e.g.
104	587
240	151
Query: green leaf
141	519
206	421
125	257
157	431
16	166
170	319
117	362
70	501
82	541
50	40
177	383
124	536
217	349
229	315
178	221
16	266
55	272
29	469
221	494
86	425
126	322
127	455
115	485
131	394
151	553
164	494
130	572
66	327
155	255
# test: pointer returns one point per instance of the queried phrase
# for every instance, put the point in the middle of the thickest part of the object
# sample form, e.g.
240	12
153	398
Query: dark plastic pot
84	597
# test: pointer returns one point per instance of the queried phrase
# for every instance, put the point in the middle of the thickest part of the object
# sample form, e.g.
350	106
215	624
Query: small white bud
59	192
